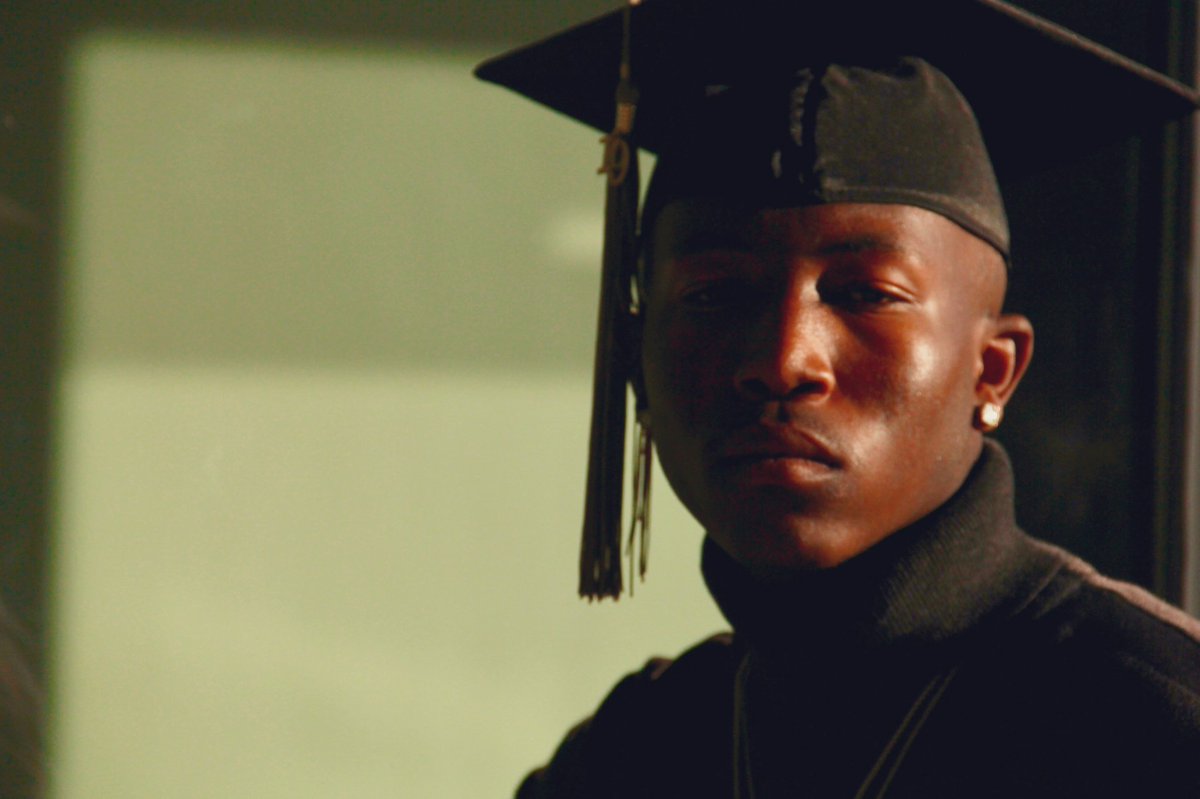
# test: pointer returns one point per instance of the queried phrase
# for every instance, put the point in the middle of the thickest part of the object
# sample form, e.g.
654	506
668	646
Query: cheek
916	382
663	377
942	385
676	373
928	377
681	367
884	369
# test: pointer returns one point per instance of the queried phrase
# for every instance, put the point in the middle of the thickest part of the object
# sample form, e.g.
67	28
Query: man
819	349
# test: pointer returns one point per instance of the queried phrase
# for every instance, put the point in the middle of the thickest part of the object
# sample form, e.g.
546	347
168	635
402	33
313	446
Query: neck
922	584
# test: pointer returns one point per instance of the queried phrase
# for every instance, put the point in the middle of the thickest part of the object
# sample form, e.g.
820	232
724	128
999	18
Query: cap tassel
600	558
639	527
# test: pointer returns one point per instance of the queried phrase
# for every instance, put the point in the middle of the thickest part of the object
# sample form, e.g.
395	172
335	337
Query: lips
763	443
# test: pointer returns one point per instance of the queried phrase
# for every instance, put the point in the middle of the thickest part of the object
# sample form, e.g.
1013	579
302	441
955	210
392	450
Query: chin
776	551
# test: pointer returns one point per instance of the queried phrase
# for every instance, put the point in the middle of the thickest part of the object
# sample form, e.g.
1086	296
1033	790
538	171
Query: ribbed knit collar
924	584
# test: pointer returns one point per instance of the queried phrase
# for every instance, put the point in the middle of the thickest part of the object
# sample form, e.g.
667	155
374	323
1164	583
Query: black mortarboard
801	102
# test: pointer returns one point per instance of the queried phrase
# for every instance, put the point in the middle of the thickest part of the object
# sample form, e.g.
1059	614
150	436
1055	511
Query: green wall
322	421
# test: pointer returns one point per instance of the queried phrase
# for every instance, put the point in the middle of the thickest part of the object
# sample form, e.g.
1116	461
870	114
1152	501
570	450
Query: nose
788	351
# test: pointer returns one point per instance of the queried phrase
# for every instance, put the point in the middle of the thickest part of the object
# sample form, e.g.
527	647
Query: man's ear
1003	359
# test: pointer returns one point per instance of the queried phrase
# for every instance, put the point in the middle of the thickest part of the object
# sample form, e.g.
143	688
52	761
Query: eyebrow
859	244
733	241
714	240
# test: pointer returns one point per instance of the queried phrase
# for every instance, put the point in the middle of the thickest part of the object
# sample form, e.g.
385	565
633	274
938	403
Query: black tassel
600	558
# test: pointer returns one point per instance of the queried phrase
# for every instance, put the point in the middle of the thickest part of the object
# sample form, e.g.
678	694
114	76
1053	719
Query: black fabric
888	131
1065	683
1041	93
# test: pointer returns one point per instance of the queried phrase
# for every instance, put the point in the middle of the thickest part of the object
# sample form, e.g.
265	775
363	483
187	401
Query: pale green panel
308	586
318	205
320	477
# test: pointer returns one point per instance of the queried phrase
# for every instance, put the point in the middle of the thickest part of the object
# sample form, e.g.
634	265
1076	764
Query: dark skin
812	375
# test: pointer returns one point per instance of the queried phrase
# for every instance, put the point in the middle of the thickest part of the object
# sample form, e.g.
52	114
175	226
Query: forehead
705	224
947	265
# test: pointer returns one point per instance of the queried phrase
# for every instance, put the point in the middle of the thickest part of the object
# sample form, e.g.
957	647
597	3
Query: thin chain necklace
879	777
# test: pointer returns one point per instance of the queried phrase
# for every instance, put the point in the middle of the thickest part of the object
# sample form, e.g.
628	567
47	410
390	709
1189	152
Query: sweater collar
923	584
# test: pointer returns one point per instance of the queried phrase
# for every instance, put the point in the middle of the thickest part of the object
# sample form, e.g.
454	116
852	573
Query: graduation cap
795	102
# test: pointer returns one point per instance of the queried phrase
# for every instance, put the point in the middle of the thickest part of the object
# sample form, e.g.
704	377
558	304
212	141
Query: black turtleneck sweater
957	658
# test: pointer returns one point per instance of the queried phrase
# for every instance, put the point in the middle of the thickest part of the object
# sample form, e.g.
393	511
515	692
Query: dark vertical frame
30	131
1174	492
1184	20
1170	235
30	135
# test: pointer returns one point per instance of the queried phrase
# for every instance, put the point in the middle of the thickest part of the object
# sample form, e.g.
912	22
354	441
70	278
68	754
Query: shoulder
1097	677
662	683
674	700
1092	689
1124	627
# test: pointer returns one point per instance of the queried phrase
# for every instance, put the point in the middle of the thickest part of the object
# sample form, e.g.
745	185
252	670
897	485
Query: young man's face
812	373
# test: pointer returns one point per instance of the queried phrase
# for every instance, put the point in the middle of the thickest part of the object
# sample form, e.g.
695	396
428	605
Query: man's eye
865	295
716	294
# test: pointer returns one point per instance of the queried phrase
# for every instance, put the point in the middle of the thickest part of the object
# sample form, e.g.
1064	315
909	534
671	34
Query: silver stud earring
990	415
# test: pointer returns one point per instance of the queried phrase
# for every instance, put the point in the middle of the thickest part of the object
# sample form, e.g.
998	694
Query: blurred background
326	312
297	331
